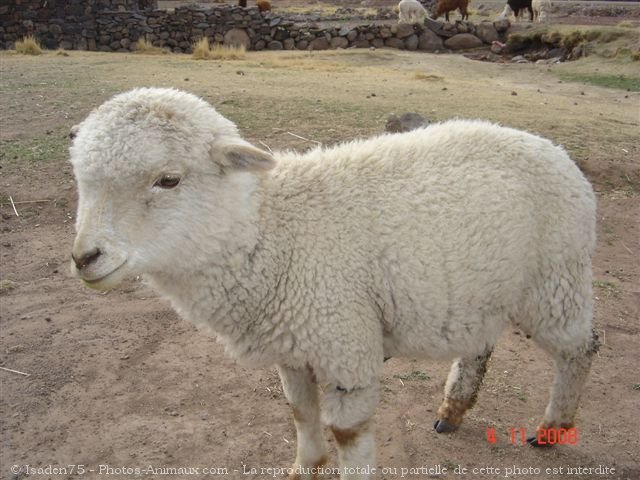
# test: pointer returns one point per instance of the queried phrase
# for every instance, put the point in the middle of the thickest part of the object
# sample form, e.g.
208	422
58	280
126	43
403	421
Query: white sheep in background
411	11
541	9
420	244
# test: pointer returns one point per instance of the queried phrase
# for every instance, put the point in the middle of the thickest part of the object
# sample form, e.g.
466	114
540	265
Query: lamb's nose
86	258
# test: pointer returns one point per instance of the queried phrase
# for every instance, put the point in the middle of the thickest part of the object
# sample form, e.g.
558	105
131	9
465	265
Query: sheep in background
263	5
421	244
541	9
443	7
517	7
411	11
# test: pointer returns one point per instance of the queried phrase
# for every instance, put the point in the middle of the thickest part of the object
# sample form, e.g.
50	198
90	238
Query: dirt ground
117	382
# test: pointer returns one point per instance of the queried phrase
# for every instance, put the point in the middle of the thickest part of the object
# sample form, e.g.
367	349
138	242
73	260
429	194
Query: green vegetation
622	82
608	287
416	375
34	151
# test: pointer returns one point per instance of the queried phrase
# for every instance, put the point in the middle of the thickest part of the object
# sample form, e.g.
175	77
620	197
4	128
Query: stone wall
103	25
69	24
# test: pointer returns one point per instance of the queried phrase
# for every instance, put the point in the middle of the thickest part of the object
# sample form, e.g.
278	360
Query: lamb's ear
247	157
74	131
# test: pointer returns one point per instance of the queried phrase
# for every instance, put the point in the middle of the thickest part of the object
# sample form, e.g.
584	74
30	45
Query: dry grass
604	41
203	51
28	46
147	48
427	76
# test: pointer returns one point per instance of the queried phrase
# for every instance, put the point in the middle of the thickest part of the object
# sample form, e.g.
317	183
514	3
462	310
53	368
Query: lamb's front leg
301	391
349	414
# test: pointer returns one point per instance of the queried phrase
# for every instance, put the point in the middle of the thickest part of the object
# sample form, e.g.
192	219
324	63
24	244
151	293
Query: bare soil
117	381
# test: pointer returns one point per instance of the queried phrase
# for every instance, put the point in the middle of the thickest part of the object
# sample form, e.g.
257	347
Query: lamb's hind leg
302	393
461	391
572	367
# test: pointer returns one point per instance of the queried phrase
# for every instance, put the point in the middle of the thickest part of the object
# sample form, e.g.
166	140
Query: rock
430	42
502	25
320	43
237	37
486	32
404	30
557	52
339	42
275	45
344	31
405	122
519	59
463	41
462	27
411	42
394	43
289	44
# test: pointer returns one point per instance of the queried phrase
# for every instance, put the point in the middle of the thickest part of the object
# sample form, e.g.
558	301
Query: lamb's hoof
533	441
442	426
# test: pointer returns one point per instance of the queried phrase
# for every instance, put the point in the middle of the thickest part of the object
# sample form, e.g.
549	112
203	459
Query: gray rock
275	45
394	43
486	32
319	44
463	41
237	37
430	42
411	42
502	25
404	30
339	42
289	44
405	122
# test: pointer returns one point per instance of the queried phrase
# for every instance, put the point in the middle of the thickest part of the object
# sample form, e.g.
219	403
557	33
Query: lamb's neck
234	294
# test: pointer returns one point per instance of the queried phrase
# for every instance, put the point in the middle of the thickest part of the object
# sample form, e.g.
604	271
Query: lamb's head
165	185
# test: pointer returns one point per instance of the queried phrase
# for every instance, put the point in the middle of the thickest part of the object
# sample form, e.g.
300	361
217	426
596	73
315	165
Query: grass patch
416	375
28	46
7	286
203	51
34	151
602	41
608	287
145	47
621	82
636	387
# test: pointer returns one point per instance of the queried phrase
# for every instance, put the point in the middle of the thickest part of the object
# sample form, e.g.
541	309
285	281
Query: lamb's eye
167	181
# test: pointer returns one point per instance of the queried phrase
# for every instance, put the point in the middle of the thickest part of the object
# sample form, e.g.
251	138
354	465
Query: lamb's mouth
102	282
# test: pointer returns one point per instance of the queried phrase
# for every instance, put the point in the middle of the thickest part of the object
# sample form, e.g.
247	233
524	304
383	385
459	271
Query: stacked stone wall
116	25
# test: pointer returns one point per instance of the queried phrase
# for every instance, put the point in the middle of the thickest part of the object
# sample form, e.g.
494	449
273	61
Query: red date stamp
543	436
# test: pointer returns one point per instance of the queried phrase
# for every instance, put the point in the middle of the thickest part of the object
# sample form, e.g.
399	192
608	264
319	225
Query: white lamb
541	9
419	244
411	11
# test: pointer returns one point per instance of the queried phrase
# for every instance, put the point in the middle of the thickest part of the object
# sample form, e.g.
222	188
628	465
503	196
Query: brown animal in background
264	5
446	6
